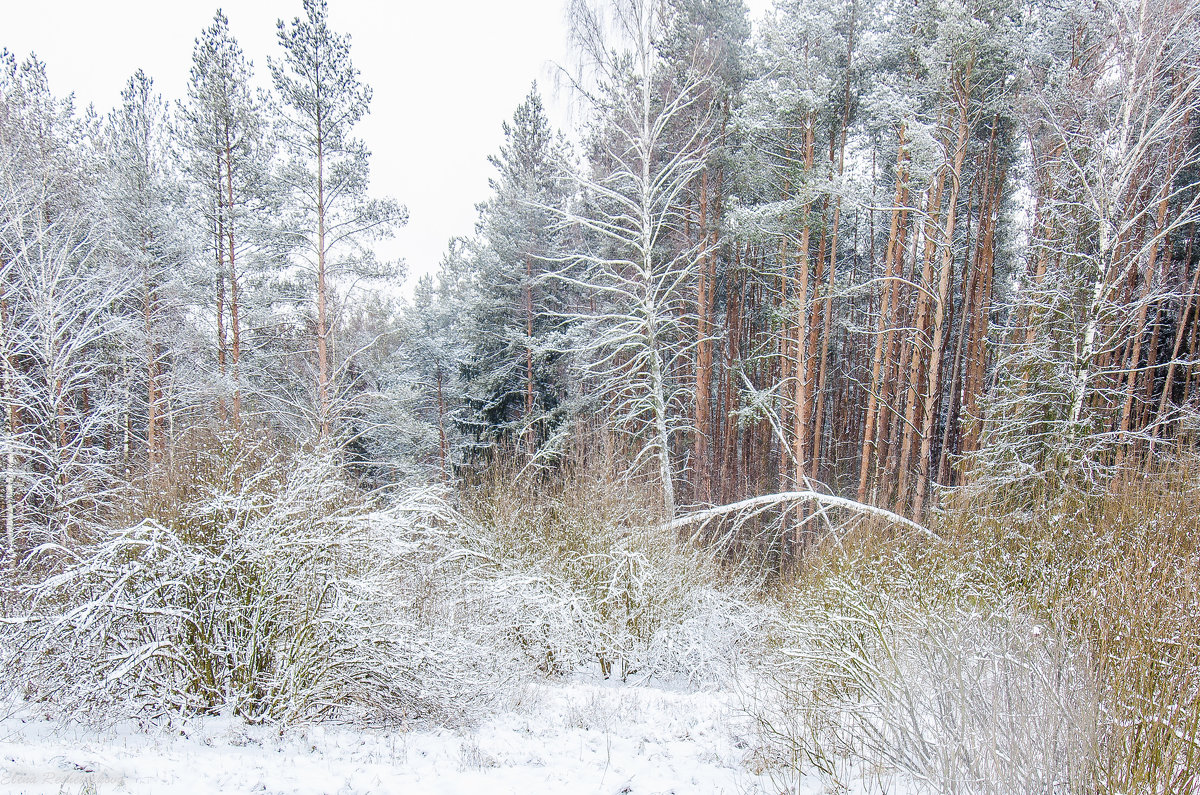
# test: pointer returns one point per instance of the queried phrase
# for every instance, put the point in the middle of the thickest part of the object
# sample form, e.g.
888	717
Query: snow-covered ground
578	737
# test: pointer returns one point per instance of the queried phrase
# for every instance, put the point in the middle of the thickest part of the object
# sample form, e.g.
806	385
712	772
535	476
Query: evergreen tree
437	345
143	195
517	381
327	172
227	156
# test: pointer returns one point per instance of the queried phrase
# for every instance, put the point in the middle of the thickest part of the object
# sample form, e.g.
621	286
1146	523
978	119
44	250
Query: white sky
445	73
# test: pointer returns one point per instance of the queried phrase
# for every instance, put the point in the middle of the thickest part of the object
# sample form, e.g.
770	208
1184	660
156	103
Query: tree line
876	247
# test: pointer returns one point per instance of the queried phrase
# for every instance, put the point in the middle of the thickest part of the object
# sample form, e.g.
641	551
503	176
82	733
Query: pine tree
327	173
142	196
227	155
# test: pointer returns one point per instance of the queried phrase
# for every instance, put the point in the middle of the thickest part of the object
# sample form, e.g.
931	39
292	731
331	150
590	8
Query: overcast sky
445	73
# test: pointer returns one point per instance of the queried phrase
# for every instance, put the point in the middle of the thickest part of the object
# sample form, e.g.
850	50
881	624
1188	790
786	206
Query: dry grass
1120	574
601	577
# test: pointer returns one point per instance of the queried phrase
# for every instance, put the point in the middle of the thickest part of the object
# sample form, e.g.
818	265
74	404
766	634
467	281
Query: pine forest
833	374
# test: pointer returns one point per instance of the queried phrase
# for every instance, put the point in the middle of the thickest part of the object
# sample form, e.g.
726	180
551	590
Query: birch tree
640	267
63	327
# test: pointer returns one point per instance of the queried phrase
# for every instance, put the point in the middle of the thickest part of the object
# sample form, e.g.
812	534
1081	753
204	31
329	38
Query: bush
262	582
898	665
1120	573
1053	646
590	574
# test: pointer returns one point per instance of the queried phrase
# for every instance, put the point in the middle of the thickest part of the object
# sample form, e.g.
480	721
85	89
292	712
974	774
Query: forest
842	361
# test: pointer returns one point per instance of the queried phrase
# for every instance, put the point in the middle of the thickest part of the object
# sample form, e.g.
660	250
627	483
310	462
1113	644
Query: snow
580	736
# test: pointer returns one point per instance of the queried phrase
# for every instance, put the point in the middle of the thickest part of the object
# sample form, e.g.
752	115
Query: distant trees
856	250
435	360
1089	377
144	268
828	250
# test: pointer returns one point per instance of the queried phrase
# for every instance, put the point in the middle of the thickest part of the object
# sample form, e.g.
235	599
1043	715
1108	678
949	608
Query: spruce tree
516	383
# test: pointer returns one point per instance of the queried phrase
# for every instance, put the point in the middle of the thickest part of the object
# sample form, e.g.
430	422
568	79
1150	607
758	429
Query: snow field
582	736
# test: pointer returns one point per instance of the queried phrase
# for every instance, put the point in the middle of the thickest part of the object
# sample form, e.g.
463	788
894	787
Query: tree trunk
937	350
918	361
219	248
529	431
803	409
322	291
151	378
1169	383
443	448
870	445
233	284
702	432
10	424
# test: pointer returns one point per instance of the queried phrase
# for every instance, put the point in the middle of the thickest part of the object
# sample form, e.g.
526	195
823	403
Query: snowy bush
1120	571
1052	649
263	582
890	672
266	585
589	575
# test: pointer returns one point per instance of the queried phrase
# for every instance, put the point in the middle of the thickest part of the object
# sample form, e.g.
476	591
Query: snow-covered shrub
1120	572
1053	648
921	673
264	583
591	575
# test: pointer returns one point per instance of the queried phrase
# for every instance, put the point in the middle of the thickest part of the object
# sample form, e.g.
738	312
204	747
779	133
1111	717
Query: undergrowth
594	576
1120	574
1033	651
260	581
263	581
1044	649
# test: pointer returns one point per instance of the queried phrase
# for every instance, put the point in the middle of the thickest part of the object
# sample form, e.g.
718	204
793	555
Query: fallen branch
768	500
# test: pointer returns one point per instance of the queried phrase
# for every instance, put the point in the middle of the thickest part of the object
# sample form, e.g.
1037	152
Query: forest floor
581	736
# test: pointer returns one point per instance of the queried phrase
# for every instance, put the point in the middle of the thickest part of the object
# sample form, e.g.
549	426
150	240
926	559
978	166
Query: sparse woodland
850	359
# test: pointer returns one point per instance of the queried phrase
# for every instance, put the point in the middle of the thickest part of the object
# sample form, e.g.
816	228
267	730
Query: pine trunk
937	349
